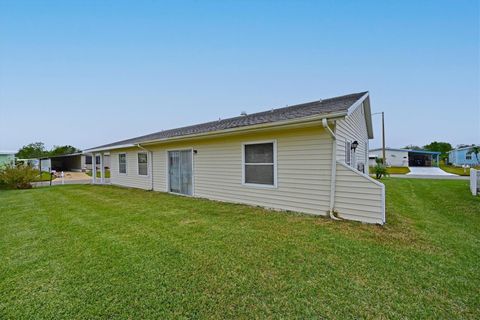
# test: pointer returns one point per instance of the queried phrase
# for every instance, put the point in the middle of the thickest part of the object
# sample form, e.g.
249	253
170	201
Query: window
468	156
259	164
88	159
142	164
122	163
348	152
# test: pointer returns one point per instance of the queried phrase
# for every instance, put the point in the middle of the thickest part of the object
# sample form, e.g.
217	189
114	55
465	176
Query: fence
474	181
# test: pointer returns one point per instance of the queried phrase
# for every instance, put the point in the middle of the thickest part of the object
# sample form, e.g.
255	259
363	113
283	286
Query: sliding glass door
180	175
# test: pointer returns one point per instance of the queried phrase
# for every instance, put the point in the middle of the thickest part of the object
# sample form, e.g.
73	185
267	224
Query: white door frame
168	171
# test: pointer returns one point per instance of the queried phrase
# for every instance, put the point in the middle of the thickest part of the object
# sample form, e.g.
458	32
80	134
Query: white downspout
334	168
151	163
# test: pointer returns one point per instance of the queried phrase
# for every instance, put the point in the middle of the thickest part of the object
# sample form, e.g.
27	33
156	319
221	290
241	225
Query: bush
18	177
380	170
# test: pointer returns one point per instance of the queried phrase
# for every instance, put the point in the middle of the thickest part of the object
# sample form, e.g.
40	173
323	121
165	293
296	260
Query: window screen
348	152
142	164
259	163
122	163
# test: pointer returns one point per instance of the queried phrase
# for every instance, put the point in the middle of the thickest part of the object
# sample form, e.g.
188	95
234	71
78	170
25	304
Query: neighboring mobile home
307	158
463	156
407	157
7	158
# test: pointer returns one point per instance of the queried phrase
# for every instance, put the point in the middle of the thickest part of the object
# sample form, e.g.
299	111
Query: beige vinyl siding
303	167
353	128
358	197
303	174
131	178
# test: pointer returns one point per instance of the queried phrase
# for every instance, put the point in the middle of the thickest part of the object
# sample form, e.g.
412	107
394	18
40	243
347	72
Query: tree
380	170
32	150
442	147
37	150
60	150
412	147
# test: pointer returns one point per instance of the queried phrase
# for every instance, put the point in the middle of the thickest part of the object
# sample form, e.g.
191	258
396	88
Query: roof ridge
326	106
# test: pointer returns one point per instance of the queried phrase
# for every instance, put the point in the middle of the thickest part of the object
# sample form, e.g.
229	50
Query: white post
94	168
102	169
473	181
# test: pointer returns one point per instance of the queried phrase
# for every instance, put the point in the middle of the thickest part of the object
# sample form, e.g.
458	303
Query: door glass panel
180	171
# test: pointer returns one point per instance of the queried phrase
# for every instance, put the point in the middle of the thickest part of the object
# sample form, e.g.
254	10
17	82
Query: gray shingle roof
321	107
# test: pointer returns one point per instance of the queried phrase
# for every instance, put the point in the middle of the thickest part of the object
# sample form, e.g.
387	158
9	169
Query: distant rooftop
407	150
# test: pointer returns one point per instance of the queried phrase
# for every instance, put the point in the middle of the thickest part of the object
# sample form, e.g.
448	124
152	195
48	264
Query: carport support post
102	169
94	168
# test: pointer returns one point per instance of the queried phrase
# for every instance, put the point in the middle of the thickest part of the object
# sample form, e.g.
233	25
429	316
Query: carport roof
63	155
408	150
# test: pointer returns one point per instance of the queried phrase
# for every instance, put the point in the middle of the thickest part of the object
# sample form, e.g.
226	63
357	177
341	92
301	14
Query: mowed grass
457	170
392	170
85	252
398	170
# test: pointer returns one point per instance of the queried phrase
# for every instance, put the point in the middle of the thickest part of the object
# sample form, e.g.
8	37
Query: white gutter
118	146
334	168
150	167
269	125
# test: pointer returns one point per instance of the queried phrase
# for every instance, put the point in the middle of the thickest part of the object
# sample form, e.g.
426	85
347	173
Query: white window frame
348	151
148	164
275	175
126	163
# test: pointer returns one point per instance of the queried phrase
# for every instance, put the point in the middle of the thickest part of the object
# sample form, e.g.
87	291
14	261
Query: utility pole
383	137
384	161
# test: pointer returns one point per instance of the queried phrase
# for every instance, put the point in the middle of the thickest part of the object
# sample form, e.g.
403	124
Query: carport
422	158
69	162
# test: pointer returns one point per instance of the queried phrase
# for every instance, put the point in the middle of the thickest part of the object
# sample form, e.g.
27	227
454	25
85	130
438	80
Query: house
35	163
407	157
463	156
7	157
307	158
372	160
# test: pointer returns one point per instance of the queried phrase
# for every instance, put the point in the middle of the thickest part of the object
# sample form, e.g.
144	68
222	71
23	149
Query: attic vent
243	113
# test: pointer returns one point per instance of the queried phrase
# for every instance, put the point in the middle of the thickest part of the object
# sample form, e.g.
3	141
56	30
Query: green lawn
44	177
456	170
393	170
107	173
83	252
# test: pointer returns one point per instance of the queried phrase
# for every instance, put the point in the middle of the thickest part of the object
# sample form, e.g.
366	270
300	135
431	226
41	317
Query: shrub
380	170
18	177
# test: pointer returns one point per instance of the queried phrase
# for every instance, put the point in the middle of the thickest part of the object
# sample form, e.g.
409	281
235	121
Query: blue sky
87	73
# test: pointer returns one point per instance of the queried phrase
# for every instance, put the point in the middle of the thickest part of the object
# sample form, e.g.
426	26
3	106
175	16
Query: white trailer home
307	158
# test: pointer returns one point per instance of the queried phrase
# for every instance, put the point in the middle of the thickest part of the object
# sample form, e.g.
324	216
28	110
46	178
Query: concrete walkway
70	178
451	177
428	171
